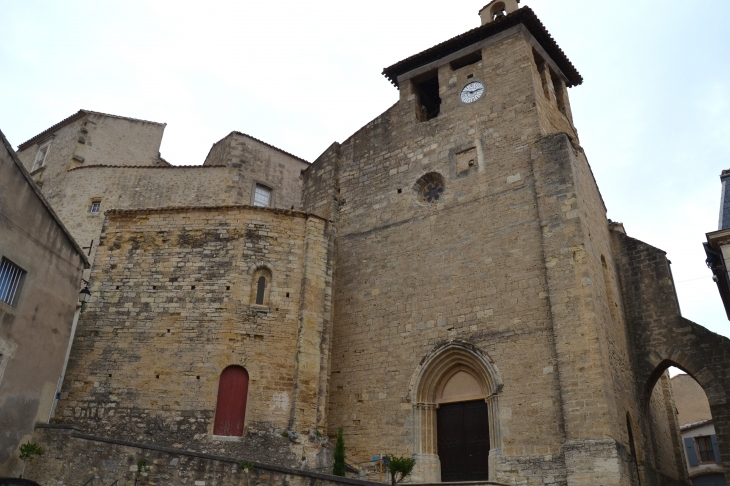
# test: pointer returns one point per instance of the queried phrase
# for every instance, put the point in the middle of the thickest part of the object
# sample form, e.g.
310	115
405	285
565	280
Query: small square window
262	196
95	207
11	279
40	157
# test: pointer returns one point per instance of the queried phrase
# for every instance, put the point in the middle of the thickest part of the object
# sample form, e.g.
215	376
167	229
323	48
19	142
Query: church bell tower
468	224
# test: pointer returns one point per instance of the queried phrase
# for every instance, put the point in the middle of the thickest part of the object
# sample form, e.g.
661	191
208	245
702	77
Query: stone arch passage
455	372
661	337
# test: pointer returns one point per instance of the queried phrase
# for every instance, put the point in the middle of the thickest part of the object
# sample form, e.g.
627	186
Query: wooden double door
463	441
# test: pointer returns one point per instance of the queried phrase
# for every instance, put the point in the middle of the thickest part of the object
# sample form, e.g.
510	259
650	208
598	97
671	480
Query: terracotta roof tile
76	116
524	16
272	146
94	166
289	212
693	425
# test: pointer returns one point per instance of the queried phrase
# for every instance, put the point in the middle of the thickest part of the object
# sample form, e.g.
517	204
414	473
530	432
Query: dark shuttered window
689	446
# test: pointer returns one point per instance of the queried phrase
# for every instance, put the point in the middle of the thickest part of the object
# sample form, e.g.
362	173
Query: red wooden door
231	408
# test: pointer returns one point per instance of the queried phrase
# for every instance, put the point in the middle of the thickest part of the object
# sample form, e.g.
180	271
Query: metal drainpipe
57	395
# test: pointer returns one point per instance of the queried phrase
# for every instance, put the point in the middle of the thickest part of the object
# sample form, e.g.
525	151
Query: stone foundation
74	458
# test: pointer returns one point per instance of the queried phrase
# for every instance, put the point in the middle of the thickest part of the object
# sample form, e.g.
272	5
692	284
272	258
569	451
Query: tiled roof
290	212
270	146
694	425
524	16
42	198
145	166
76	116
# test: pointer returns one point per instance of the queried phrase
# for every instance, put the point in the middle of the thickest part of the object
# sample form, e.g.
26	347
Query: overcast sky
653	113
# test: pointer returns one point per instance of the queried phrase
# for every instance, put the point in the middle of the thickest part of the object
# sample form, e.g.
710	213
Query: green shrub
246	466
30	451
399	468
339	468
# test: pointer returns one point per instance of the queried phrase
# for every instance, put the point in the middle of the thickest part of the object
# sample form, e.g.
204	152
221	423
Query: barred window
11	276
262	196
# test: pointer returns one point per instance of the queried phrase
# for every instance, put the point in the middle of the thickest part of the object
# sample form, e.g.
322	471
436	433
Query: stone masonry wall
141	187
516	251
97	139
260	163
73	458
666	440
411	276
661	337
36	326
121	169
171	308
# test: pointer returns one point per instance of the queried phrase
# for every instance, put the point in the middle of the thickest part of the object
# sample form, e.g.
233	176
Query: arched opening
697	429
462	432
230	410
261	287
499	9
455	414
680	440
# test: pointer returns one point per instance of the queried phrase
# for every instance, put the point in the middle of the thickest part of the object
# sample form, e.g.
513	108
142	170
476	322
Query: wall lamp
85	293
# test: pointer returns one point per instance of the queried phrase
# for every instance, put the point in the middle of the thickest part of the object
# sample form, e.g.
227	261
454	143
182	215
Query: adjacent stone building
701	449
40	278
443	284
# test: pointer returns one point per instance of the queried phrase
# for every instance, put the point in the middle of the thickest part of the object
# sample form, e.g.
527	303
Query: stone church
444	284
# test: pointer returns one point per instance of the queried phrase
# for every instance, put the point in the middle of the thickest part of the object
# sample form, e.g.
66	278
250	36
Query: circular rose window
430	188
432	191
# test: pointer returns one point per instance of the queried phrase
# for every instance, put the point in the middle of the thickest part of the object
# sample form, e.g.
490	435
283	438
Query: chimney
497	9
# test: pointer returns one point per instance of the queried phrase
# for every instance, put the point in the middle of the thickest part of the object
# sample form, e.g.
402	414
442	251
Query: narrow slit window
262	196
261	287
11	279
260	290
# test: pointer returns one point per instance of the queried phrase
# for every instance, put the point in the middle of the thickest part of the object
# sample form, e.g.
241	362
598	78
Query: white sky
653	113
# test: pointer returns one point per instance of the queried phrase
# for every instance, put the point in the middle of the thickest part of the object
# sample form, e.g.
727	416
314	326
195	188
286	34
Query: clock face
472	92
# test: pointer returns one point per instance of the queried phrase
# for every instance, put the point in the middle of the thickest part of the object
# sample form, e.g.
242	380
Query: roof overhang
716	261
523	19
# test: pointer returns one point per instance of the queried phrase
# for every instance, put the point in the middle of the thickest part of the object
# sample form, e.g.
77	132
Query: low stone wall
73	458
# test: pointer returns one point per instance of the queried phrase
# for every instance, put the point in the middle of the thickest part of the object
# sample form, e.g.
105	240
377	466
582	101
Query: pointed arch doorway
462	418
455	415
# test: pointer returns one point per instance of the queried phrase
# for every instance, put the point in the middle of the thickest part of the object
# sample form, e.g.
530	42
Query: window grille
262	196
10	277
95	206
